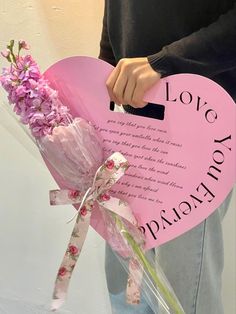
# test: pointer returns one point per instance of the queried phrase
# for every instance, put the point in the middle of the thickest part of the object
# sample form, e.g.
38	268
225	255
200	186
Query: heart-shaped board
182	167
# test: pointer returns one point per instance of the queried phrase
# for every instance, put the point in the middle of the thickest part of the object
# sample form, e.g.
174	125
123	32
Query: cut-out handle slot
112	106
151	110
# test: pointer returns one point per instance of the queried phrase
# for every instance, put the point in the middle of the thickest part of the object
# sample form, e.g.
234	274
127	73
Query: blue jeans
193	264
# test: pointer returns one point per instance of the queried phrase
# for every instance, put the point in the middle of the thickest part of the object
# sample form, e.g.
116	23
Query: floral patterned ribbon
106	176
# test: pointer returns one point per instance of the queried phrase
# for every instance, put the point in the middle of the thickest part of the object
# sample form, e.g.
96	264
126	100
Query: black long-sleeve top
177	36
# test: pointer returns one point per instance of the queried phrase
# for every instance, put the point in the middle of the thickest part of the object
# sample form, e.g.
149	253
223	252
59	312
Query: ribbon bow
106	176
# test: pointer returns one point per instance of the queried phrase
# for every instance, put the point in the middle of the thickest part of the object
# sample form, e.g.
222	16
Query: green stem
163	289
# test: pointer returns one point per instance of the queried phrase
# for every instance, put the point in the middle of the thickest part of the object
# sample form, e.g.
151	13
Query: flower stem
162	287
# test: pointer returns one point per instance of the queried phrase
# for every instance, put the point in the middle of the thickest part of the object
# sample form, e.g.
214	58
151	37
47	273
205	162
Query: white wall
33	235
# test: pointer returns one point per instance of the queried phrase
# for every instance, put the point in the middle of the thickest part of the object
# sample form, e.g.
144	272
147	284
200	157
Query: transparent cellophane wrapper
141	268
73	154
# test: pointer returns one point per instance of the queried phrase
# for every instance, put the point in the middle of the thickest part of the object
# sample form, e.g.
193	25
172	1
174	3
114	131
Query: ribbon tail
123	212
70	258
57	303
64	197
133	288
127	226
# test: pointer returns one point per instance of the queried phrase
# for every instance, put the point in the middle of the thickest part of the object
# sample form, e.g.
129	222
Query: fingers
138	95
110	83
120	86
129	91
129	81
139	88
117	81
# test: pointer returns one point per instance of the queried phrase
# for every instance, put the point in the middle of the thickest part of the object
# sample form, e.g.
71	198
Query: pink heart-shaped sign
182	167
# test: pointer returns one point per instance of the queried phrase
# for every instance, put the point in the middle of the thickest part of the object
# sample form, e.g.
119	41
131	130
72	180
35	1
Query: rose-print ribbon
97	195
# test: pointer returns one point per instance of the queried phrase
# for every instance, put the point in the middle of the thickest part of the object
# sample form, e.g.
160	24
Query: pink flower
73	194
83	211
105	197
5	53
42	106
27	68
40	130
23	45
34	100
31	84
5	79
12	97
110	164
20	91
73	250
62	271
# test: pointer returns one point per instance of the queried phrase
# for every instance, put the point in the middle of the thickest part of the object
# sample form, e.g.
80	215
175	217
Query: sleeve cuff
160	63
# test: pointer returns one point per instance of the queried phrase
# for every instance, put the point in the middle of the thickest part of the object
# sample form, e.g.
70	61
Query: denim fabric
193	264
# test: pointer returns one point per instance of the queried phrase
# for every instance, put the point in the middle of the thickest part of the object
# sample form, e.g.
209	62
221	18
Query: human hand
129	81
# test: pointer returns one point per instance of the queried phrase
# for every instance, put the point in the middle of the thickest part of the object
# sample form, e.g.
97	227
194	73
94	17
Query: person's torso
143	27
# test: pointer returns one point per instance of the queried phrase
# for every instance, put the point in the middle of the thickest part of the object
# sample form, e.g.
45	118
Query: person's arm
208	52
106	52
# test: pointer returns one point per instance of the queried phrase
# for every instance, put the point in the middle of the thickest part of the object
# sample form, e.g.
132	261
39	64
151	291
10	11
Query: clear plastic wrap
73	153
144	274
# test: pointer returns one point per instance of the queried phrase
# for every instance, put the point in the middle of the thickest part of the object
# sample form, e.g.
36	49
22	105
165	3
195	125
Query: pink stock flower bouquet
49	121
73	149
34	101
